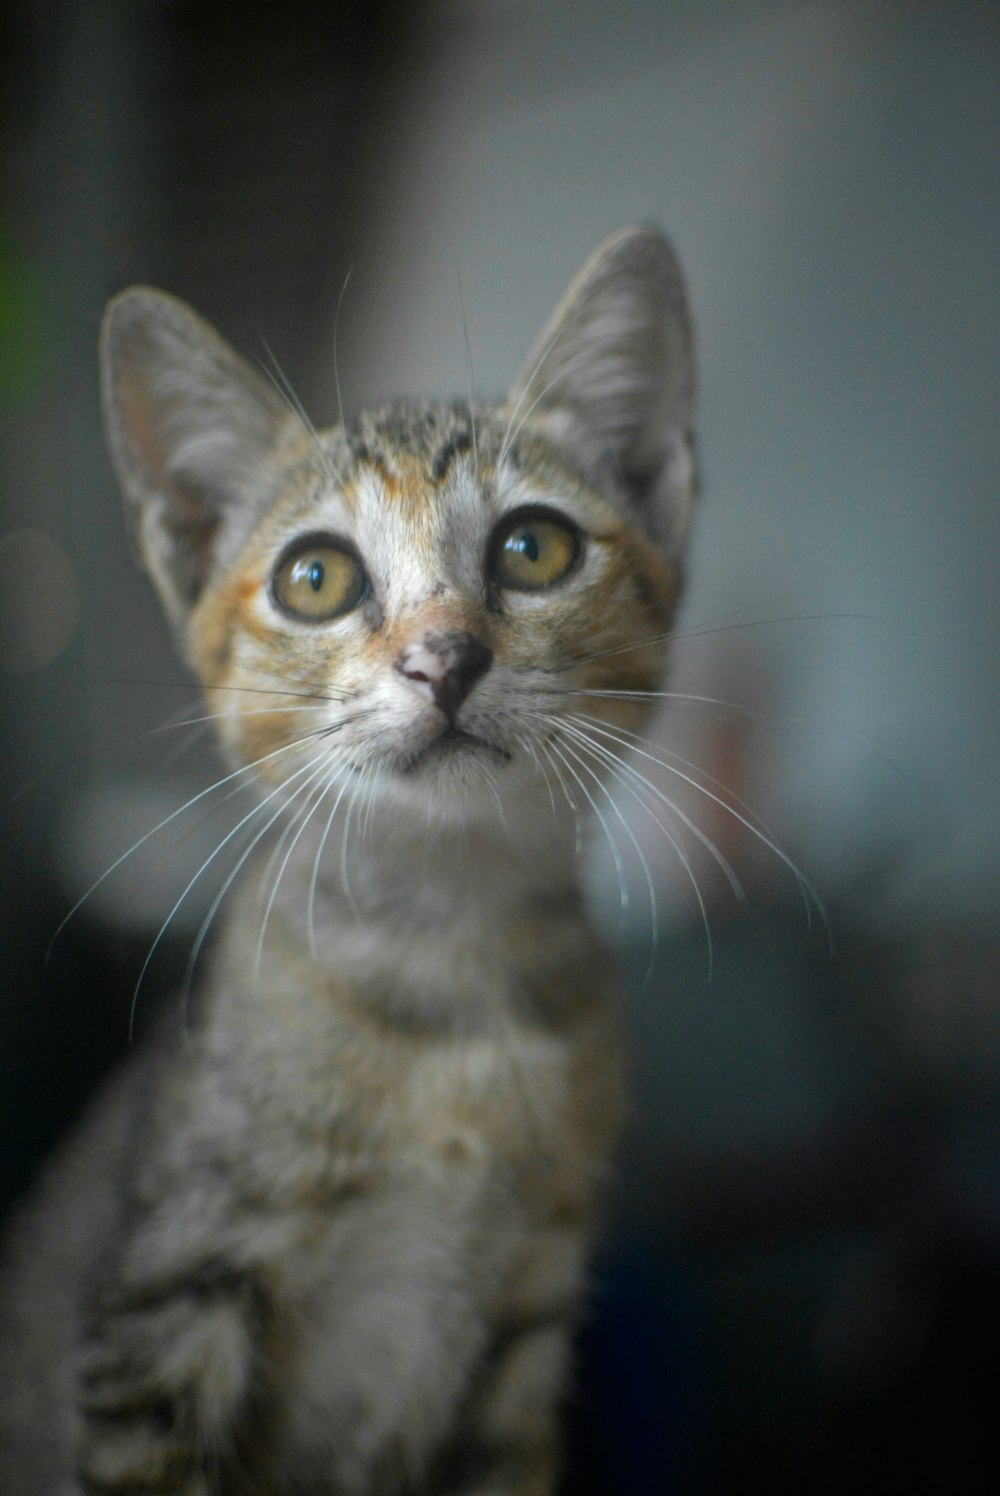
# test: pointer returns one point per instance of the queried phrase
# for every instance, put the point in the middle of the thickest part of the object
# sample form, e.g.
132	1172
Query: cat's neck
413	874
452	925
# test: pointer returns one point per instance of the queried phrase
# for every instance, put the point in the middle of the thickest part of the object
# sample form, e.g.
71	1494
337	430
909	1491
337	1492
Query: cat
329	1234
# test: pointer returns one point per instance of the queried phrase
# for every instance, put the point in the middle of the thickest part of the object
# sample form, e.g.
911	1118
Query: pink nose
445	667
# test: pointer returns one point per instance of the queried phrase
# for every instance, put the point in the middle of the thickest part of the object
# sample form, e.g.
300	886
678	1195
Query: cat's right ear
611	379
190	427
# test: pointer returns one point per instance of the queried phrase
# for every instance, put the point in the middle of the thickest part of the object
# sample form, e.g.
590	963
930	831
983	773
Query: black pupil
527	543
315	574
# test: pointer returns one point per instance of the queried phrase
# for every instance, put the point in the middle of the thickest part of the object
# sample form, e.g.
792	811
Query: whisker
176	751
186	685
574	808
336	330
256	810
276	851
366	824
254	711
805	890
241	772
701	631
344	880
286	685
490	780
612	844
513	435
639	788
527	746
284	388
311	904
468	372
104	750
756	830
507	439
327	775
636	738
682	698
740	711
213	909
653	913
706	841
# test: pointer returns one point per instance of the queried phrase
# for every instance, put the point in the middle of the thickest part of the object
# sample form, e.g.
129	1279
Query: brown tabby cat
332	1237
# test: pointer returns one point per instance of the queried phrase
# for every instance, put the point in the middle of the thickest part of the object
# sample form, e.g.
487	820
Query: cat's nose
445	667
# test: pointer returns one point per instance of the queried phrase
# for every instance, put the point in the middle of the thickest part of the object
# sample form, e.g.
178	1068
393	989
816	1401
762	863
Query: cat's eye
318	579
534	549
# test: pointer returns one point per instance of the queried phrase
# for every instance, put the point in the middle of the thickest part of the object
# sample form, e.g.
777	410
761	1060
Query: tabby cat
329	1234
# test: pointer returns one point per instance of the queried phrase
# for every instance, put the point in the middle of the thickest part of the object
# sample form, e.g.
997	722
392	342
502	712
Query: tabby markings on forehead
456	446
417	428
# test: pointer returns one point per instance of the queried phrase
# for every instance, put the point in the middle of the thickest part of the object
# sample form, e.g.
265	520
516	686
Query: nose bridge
444	612
429	575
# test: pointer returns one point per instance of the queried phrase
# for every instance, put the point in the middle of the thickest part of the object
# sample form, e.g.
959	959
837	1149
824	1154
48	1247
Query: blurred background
801	1282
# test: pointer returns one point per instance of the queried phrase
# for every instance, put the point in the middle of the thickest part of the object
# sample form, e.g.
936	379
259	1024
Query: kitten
332	1237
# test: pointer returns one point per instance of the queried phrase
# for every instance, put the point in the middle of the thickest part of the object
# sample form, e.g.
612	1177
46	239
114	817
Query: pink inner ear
142	432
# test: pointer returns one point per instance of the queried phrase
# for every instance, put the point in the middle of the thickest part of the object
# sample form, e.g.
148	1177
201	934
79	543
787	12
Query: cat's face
431	601
422	610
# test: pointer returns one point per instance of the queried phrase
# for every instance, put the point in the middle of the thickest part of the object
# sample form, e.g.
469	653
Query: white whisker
308	785
639	788
745	820
526	385
376	775
202	869
336	330
284	388
581	742
526	744
345	882
634	739
612	844
570	801
327	775
706	841
681	698
674	808
702	630
513	435
240	773
739	711
468	374
314	877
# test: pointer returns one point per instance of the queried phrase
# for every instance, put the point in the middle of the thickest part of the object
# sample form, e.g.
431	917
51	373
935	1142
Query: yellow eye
534	550
319	580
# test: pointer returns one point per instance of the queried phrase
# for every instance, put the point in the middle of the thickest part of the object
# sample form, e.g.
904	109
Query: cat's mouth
447	744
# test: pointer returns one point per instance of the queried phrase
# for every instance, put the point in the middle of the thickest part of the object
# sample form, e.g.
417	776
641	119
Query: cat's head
434	605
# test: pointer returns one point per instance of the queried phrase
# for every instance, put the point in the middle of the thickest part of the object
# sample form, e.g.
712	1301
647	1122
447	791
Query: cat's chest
354	1107
465	1100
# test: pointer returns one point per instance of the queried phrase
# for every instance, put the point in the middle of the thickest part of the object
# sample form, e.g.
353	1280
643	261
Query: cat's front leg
510	1438
162	1381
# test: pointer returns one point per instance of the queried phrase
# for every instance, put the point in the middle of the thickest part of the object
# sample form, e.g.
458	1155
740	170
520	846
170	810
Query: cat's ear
612	378
190	427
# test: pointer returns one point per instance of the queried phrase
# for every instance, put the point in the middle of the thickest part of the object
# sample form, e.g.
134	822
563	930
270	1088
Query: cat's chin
450	748
457	780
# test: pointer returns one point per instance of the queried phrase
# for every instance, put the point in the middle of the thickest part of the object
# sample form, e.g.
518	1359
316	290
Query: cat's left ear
612	379
191	429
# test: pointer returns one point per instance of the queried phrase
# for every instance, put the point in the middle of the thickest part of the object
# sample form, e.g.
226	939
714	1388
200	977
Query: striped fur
333	1237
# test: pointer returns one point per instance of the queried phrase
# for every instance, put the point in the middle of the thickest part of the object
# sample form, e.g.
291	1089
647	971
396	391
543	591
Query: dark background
801	1283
